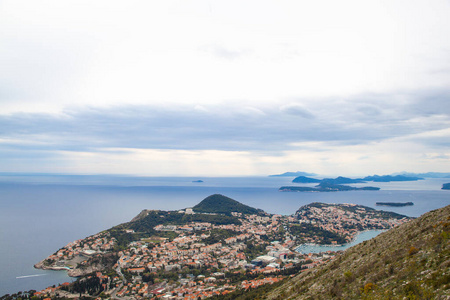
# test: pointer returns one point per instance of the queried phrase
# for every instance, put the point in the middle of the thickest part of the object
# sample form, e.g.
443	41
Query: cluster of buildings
218	251
344	219
72	253
250	284
190	249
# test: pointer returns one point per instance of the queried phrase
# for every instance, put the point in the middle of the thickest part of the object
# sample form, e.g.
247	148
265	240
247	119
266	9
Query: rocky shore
82	266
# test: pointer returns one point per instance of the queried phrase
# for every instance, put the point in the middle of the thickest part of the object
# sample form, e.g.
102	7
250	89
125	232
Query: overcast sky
220	88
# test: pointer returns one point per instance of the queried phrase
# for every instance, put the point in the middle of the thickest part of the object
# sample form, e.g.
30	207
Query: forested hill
221	204
408	262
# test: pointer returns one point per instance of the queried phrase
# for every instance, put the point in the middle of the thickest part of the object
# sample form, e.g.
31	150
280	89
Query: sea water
40	214
361	237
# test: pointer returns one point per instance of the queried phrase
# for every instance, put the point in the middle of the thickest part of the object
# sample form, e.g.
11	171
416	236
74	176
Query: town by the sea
41	213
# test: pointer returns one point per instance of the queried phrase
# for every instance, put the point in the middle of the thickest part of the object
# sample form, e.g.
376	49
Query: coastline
123	203
40	265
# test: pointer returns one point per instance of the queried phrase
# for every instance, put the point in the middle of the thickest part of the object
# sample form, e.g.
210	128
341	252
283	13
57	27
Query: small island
197	181
446	186
394	203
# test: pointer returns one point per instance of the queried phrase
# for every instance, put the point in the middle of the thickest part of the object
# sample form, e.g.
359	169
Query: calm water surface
361	237
40	214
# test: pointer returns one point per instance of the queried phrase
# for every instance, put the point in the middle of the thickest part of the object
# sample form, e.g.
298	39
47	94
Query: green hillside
221	204
411	261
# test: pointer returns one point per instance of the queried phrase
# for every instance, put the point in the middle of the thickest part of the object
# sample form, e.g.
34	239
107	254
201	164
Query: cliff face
412	260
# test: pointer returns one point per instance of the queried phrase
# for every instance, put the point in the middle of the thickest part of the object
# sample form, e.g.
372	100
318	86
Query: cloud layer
224	87
324	125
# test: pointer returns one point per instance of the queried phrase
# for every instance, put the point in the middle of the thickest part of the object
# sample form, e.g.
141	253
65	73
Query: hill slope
412	261
221	204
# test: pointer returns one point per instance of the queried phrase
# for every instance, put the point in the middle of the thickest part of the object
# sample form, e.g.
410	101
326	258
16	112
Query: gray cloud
369	110
227	127
297	110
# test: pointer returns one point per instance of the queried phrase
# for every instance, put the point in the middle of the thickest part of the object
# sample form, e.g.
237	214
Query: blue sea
361	237
40	213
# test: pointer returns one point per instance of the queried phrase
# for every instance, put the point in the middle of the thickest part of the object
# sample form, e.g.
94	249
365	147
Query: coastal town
200	259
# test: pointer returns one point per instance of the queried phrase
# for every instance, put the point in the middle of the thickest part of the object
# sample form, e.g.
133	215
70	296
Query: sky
224	88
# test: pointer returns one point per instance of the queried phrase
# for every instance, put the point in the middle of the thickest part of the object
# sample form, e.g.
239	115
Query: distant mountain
425	175
304	179
389	178
408	262
223	205
293	174
446	186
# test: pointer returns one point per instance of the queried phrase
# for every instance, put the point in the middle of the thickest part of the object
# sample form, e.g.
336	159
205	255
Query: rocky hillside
411	261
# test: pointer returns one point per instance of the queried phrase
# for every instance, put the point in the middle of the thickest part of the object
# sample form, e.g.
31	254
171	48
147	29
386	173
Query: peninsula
217	247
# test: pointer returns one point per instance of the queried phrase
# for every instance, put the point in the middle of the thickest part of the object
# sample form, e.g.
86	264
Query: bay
40	214
359	238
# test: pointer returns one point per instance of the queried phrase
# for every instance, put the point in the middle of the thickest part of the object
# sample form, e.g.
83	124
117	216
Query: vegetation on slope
353	208
411	261
143	224
304	179
221	204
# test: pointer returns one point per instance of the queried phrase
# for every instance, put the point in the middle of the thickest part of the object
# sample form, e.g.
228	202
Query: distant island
425	175
342	180
446	186
389	178
304	179
394	203
345	180
326	187
293	174
338	184
197	181
338	180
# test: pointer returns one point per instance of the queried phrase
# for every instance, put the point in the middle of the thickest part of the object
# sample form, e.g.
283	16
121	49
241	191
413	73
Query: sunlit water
40	214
